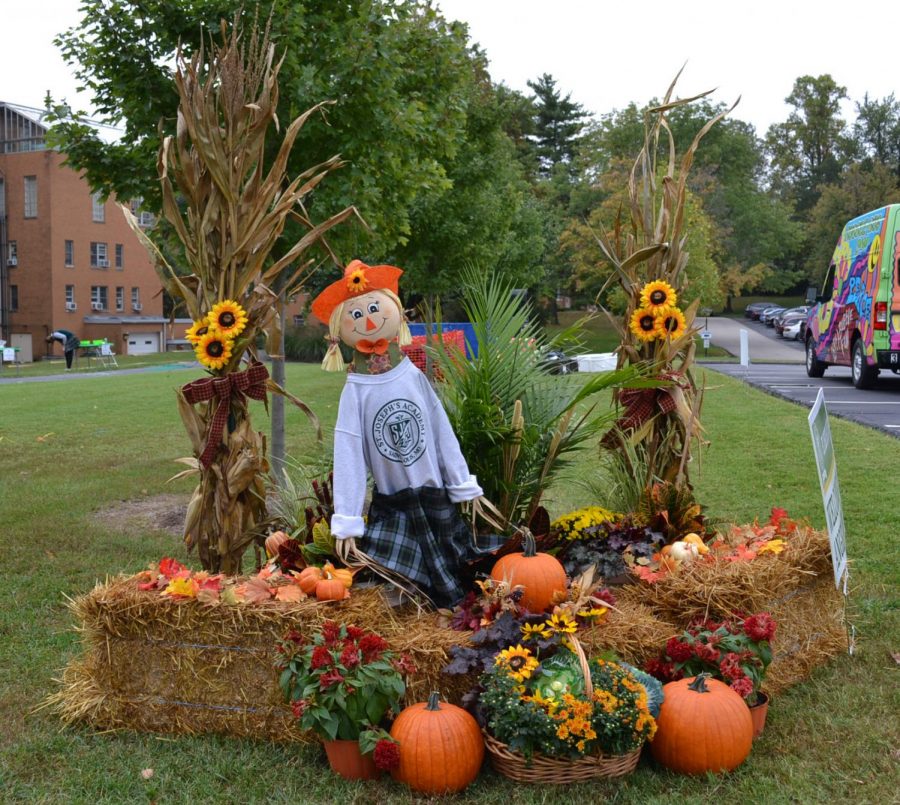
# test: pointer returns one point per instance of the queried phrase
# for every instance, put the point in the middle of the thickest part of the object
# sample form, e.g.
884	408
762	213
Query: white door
143	343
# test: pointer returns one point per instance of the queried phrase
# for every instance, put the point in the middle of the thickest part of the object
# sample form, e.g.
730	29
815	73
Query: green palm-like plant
517	425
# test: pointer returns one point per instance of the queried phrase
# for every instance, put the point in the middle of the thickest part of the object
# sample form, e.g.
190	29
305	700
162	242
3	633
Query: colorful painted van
855	321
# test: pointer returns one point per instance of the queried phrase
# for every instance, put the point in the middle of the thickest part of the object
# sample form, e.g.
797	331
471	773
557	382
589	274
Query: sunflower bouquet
214	335
553	708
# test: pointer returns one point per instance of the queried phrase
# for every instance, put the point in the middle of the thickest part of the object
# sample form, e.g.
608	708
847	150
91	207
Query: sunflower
532	631
229	318
196	331
592	612
658	296
562	623
357	282
518	662
643	324
671	324
213	350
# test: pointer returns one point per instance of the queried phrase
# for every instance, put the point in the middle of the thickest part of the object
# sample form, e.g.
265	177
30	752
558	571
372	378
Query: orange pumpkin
540	574
308	579
342	573
274	541
441	748
331	590
703	726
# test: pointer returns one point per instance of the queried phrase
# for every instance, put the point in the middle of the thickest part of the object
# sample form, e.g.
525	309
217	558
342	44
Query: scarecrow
391	424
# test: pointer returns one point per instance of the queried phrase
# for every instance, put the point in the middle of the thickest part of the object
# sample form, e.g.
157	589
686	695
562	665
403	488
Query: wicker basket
544	769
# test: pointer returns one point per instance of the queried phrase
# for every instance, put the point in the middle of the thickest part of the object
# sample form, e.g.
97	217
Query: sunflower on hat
358	278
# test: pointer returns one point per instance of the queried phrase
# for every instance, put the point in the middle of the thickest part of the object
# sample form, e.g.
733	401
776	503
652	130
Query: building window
99	255
98	208
31	204
120	256
120	298
136	298
99	297
70	297
70	253
144	219
12	254
13	298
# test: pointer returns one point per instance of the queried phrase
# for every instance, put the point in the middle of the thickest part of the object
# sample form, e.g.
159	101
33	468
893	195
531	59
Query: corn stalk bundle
657	426
228	210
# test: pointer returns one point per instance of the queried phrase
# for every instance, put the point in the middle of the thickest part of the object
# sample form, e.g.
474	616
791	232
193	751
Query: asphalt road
777	367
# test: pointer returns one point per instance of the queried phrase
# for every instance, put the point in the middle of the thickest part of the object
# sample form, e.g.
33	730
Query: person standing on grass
69	343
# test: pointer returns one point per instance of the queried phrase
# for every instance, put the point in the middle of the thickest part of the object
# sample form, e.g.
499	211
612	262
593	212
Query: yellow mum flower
518	662
658	296
213	350
562	623
532	631
229	318
357	282
196	331
643	324
671	324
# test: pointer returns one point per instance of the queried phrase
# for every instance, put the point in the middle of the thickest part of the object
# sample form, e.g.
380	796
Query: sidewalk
764	348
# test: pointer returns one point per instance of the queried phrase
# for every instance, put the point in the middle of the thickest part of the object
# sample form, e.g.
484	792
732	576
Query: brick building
67	259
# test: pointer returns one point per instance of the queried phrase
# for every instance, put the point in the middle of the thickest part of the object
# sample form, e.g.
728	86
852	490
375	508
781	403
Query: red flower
295	637
663	671
299	707
321	658
731	666
405	665
349	657
386	755
677	650
355	633
371	647
331	633
743	686
333	677
760	627
706	653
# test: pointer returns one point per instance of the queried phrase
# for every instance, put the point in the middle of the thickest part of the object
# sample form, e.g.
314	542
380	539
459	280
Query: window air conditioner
13	261
137	306
103	263
96	305
70	306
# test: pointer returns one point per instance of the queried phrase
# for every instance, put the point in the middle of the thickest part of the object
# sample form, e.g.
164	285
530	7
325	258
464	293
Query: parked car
753	310
789	316
791	311
556	362
792	328
767	317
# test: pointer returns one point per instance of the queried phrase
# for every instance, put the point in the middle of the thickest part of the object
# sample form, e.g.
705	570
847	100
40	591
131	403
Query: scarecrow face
370	316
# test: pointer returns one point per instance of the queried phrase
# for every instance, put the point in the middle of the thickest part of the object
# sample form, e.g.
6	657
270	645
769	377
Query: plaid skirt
420	534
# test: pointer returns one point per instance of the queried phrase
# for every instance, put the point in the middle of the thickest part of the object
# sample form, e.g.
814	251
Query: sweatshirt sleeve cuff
344	526
467	490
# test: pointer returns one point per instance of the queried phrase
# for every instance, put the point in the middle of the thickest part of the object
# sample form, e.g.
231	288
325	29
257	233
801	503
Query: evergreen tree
558	124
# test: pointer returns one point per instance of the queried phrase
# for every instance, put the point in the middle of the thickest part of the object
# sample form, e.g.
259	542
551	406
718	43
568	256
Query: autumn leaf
256	590
648	574
208	595
182	587
742	554
774	546
289	592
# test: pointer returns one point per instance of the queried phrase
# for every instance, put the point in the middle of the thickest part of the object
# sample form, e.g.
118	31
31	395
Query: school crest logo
398	432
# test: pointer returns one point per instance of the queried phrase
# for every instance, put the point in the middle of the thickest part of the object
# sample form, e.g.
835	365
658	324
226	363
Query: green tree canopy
557	124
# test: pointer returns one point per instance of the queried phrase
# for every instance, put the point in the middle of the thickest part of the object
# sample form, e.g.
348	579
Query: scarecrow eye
373	307
356	313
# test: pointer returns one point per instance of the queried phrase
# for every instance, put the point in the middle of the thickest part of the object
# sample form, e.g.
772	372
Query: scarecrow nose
370	325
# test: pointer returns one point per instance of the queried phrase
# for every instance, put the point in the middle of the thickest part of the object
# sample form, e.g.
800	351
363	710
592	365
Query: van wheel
864	376
814	367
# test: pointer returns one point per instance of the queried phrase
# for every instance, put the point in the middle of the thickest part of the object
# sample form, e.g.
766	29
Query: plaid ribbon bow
641	404
251	382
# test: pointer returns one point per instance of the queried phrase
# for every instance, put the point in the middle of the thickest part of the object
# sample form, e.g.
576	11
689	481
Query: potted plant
343	682
563	718
736	651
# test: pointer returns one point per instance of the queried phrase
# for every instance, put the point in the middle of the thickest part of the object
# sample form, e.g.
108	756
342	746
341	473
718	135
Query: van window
828	286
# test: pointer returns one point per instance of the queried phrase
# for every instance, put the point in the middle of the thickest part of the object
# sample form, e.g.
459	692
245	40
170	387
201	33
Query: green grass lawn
69	450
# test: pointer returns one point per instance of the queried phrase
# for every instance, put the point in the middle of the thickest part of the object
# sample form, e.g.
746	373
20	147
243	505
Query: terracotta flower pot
758	713
346	760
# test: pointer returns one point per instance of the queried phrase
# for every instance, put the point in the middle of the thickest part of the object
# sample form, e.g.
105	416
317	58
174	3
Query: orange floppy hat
358	279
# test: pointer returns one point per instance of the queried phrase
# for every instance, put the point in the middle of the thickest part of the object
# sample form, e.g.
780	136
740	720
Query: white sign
831	492
706	335
745	347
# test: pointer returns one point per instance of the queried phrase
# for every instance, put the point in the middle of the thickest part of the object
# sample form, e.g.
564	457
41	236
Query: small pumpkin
308	579
541	575
703	725
682	551
441	748
696	539
331	589
342	573
274	541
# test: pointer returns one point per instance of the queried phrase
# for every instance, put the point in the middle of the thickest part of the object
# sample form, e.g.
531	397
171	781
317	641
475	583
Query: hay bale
632	631
159	664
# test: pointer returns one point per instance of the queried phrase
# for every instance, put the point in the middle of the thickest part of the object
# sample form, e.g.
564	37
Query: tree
877	130
811	147
398	73
557	125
